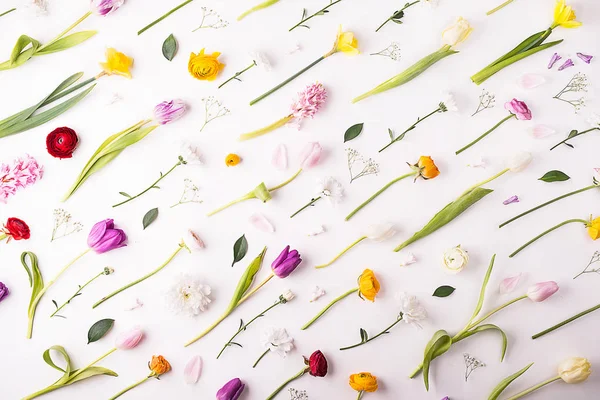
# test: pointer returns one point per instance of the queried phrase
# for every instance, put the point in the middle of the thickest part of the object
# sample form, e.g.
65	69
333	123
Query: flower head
564	16
316	294
317	364
169	111
585	57
519	161
104	237
593	228
287	296
21	173
449	103
105	7
16	229
541	291
380	232
411	310
426	168
368	285
574	370
189	296
555	57
310	155
231	160
159	365
566	64
232	390
331	189
191	153
261	60
455	260
519	109
457	32
205	67
3	291
309	101
117	63
345	42
363	382
277	340
286	262
61	142
129	340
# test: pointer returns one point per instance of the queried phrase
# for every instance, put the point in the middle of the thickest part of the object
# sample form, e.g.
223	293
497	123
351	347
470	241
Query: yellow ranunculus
594	228
117	63
346	43
564	16
457	32
205	67
363	382
368	285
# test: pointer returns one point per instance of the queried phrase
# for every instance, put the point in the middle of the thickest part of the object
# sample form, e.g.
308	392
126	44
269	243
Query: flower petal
530	81
509	284
541	131
280	160
192	370
260	222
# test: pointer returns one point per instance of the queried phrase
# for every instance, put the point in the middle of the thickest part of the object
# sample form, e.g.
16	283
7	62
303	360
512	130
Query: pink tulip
519	109
128	340
310	155
541	291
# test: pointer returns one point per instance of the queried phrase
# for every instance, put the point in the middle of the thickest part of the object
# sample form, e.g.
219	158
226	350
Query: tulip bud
574	370
519	161
128	340
169	111
310	155
104	237
457	33
541	291
380	232
3	291
232	390
286	262
287	295
108	271
105	7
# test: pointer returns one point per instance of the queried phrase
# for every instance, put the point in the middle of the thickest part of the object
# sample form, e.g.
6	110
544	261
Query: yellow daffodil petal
117	63
564	16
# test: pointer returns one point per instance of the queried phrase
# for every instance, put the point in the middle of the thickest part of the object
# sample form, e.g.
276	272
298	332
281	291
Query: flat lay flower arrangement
194	203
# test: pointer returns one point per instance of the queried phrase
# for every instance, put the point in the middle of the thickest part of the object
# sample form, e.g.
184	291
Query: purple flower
169	111
586	59
519	109
104	237
232	390
105	7
446	398
309	101
286	263
510	200
567	64
3	291
553	60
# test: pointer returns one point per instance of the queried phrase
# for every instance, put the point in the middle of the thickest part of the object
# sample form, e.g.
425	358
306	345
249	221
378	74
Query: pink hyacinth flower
105	7
541	291
169	111
519	109
310	156
553	60
309	101
22	173
567	64
129	340
585	58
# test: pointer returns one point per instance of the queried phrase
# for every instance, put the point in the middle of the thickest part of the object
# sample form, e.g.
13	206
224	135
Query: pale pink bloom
541	131
195	240
541	291
519	109
309	101
128	340
509	284
530	81
192	370
260	222
22	173
105	7
280	160
310	156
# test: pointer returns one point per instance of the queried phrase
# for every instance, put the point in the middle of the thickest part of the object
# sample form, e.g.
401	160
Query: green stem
266	129
260	6
288	80
63	33
357	241
533	388
285	182
322	11
569	221
413	126
7	12
162	176
284	384
385	331
144	29
39	393
143	278
210	328
396	12
310	203
257	287
261	357
499	174
507	2
485	134
237	74
128	388
76	293
323	311
96	361
360	395
572	137
246	197
549	202
383	189
566	321
486	316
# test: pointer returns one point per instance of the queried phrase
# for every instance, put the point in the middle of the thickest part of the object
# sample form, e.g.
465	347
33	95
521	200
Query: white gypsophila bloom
594	120
412	311
316	294
455	259
189	296
331	189
380	232
278	341
450	102
190	153
261	60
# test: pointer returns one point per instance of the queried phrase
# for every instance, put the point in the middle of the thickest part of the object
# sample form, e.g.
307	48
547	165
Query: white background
557	257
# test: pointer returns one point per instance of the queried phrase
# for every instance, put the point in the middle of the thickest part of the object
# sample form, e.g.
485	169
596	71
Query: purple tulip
104	237
232	390
169	111
567	64
105	7
585	58
3	291
286	262
553	60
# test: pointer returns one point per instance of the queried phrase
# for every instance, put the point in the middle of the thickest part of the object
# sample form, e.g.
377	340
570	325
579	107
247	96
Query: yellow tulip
368	285
594	228
205	67
564	16
117	63
457	32
363	382
346	42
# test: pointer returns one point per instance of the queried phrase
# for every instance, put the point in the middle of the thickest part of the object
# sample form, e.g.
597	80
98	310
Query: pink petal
509	284
541	131
260	222
280	160
530	81
192	370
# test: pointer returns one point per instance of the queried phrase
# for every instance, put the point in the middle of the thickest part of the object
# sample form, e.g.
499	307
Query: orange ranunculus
205	67
427	168
368	285
594	228
159	365
232	160
363	382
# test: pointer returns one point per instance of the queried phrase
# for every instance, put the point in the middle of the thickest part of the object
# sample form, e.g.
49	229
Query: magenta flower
585	58
553	60
566	64
541	291
309	101
310	156
22	173
129	340
510	200
105	7
519	109
3	291
104	237
286	262
232	390
169	111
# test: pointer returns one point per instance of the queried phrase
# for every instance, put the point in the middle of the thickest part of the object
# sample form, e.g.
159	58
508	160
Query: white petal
260	222
509	284
541	131
279	159
409	259
530	81
317	230
317	293
192	370
478	162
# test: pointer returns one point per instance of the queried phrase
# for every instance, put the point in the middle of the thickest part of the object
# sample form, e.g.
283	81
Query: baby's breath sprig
63	226
392	51
587	270
211	20
578	83
213	109
369	166
190	193
486	100
471	364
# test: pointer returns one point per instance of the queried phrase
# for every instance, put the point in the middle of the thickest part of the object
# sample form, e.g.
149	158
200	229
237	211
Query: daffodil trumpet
592	225
424	168
345	42
263	5
564	16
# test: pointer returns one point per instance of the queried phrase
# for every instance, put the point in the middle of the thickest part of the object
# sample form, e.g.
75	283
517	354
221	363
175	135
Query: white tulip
574	370
519	161
380	232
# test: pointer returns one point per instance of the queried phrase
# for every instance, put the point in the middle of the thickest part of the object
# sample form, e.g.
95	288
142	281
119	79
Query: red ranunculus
317	364
17	229
61	142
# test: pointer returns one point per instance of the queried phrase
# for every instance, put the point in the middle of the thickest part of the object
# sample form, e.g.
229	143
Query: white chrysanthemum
412	311
189	296
330	189
278	341
261	60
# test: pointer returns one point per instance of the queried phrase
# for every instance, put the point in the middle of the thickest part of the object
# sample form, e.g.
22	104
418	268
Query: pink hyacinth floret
22	173
309	101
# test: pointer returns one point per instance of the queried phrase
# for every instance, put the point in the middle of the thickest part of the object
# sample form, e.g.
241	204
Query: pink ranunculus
542	290
129	340
310	156
519	109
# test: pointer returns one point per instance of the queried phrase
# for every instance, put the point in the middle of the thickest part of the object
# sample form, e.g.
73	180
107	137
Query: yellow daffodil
346	42
117	63
594	228
564	16
205	67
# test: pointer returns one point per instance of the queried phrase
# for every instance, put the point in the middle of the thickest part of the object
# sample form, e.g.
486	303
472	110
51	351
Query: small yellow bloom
564	16
232	160
344	42
117	63
457	32
363	382
368	285
594	228
427	168
159	365
205	67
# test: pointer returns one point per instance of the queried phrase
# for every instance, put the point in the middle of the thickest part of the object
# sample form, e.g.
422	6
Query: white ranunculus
455	259
288	295
450	102
261	60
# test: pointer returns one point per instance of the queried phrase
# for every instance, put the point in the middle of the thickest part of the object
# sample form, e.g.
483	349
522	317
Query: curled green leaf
438	345
99	329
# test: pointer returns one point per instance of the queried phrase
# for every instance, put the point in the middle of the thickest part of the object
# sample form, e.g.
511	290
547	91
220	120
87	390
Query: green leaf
22	42
55	304
574	132
364	336
555	176
240	248
438	345
125	194
99	329
483	328
150	217
443	291
235	344
482	291
353	132
246	281
505	382
67	371
391	133
169	47
88	373
36	282
65	43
